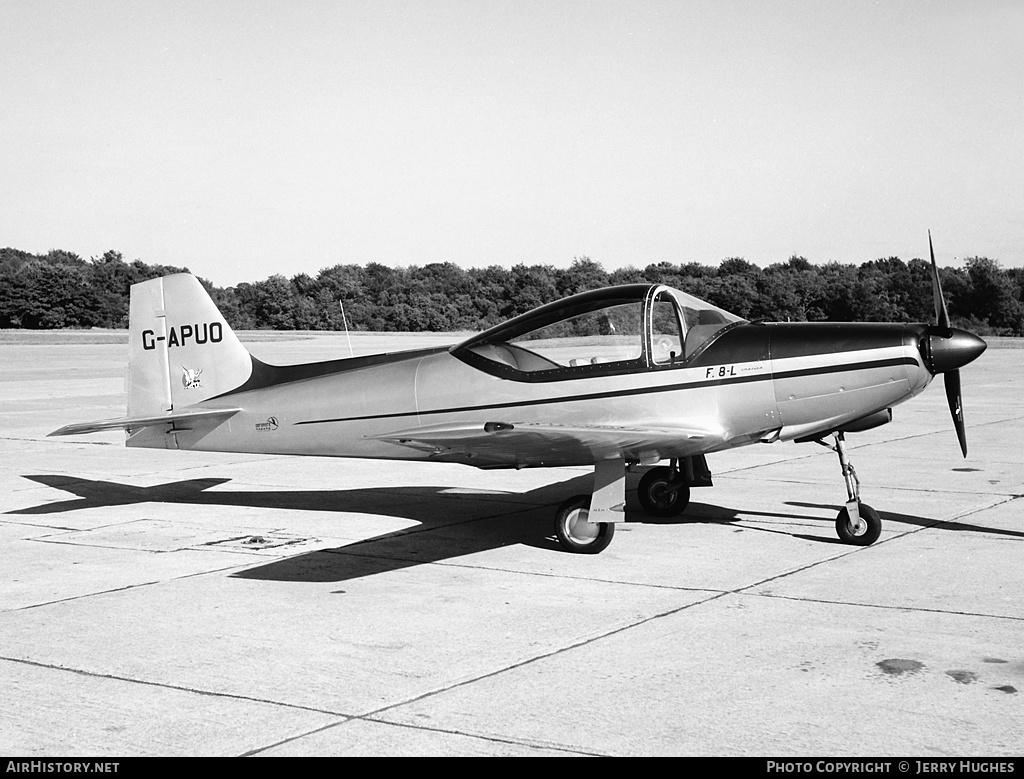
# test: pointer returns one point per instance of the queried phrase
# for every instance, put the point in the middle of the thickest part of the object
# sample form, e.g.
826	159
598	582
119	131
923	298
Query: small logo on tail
190	378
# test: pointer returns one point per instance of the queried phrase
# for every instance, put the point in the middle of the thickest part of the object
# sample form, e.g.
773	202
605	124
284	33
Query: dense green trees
60	289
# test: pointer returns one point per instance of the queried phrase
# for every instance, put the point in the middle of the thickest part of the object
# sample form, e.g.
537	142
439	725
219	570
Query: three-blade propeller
947	350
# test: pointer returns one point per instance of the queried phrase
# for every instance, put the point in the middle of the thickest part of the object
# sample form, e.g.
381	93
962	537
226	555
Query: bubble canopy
611	330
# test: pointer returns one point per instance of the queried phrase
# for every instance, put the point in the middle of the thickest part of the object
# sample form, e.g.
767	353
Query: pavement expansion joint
887	607
545	655
489	738
177	687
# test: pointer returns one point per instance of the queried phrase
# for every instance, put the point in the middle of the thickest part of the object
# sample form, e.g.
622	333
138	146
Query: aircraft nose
951	349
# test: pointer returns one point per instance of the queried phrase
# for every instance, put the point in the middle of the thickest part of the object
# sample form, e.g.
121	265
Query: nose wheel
862	530
857	523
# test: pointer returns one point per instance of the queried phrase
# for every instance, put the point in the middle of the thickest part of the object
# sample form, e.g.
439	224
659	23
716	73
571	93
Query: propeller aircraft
614	378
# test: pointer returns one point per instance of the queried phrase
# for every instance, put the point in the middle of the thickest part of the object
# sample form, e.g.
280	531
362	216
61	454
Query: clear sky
243	139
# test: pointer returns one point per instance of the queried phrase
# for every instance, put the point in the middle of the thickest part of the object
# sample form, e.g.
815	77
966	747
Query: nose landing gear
857	523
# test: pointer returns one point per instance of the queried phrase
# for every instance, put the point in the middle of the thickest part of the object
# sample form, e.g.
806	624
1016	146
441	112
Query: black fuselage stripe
766	376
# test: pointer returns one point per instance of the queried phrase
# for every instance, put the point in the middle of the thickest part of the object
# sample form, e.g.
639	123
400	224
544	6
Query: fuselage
753	382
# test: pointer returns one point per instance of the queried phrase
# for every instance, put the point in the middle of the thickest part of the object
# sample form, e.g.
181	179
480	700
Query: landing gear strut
857	523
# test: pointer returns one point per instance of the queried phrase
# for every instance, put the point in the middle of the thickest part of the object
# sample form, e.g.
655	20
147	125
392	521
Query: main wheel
655	496
577	534
868	532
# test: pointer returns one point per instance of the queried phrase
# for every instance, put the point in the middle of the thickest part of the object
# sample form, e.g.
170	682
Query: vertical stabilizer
181	350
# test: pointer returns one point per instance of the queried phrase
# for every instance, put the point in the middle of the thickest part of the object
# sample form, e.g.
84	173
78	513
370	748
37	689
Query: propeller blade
947	350
941	315
956	406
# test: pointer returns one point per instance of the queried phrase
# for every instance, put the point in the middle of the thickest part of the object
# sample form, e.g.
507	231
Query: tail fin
181	350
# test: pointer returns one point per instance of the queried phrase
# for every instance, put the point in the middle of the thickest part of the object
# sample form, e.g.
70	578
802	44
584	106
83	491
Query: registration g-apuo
615	378
207	332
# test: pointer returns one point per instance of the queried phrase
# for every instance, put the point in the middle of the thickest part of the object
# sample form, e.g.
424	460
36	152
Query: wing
137	423
506	444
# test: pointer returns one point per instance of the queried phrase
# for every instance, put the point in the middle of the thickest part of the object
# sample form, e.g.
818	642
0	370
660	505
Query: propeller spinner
946	350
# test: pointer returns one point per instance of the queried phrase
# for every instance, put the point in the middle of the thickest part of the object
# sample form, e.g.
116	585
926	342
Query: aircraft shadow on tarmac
451	523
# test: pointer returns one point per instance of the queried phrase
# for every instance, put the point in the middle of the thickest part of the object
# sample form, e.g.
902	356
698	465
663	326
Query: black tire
575	533
869	533
653	494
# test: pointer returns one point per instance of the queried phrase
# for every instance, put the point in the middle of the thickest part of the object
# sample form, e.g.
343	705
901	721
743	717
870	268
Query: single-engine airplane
618	377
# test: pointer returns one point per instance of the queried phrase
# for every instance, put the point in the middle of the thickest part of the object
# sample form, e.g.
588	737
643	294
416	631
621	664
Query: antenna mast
345	321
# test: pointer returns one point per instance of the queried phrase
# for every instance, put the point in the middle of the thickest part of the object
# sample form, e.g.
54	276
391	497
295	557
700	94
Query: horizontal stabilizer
137	423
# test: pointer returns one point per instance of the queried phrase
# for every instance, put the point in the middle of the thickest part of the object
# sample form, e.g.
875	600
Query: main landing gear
664	491
575	531
585	524
857	523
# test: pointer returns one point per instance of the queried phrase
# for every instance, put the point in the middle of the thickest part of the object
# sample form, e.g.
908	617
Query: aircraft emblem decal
190	377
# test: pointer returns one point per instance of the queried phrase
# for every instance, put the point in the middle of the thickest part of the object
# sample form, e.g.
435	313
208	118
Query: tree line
60	289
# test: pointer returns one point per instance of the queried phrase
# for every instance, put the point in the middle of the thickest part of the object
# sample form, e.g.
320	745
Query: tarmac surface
178	603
